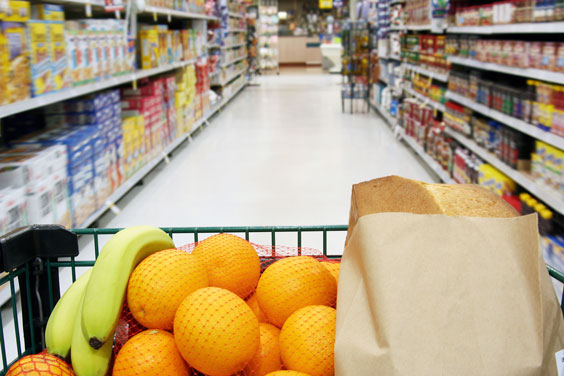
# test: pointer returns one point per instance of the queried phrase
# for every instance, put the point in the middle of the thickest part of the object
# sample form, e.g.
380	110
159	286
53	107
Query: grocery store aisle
281	153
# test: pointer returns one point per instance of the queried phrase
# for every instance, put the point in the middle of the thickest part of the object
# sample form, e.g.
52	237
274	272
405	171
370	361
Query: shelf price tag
168	17
155	16
113	207
88	10
118	14
134	84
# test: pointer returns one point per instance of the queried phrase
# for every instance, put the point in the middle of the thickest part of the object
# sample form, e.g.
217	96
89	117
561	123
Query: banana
58	333
108	282
87	361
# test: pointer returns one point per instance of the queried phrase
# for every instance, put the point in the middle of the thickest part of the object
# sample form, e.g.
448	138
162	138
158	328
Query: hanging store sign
325	4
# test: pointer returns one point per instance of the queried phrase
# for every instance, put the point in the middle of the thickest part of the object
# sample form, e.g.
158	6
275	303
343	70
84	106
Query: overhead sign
325	4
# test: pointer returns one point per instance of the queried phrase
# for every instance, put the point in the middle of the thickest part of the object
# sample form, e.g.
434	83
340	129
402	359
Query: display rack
532	32
356	60
78	91
267	25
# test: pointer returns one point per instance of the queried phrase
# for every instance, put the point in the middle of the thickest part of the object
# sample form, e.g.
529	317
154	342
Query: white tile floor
281	153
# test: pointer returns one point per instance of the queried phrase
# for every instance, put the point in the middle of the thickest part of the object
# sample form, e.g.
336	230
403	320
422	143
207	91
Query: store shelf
427	72
237	30
433	165
391	58
397	28
230	78
394	2
92	3
419	27
234	61
44	100
235	15
544	193
519	28
422	98
510	121
176	13
233	46
213	46
389	119
538	74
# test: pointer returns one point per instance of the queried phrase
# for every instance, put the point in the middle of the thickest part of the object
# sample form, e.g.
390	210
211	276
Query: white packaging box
61	200
39	198
13	204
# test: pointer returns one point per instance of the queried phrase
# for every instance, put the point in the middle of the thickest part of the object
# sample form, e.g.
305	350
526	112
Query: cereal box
73	56
90	28
4	68
48	12
17	11
39	60
149	39
58	55
17	67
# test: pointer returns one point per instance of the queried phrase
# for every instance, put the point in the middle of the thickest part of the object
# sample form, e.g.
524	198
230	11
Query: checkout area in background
310	36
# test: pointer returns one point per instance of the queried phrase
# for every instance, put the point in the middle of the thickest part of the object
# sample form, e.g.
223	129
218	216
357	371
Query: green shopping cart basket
31	258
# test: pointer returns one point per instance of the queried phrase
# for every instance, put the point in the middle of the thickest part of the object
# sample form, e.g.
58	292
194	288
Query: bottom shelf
429	161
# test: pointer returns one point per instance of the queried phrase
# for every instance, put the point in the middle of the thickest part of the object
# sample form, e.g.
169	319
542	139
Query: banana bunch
84	319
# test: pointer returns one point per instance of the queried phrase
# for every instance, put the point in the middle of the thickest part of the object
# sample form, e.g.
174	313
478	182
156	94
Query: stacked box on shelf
185	98
171	129
548	165
202	88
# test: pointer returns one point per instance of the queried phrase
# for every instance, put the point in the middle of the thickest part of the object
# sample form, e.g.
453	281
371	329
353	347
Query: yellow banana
87	361
58	333
106	289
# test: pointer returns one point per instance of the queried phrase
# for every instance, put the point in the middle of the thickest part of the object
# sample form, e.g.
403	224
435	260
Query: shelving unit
510	121
234	61
237	31
537	74
175	13
5	294
231	77
233	46
426	72
430	162
436	105
517	28
235	15
543	192
37	102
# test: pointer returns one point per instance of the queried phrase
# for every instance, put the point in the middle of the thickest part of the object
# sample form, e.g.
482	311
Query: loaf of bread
397	194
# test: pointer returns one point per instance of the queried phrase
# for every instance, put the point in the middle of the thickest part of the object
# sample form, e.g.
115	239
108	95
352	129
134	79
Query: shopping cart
30	259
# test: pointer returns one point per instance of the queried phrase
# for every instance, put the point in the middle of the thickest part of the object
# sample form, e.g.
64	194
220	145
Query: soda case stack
418	120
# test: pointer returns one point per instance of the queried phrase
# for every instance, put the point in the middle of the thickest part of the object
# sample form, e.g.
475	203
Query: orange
216	331
232	263
151	352
292	283
287	373
252	302
267	359
40	365
333	268
160	283
307	340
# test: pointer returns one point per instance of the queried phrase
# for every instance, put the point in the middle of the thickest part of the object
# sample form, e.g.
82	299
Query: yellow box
149	39
48	12
17	11
4	68
18	85
39	60
58	54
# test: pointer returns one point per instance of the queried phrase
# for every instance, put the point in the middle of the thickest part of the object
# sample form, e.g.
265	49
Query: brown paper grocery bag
437	295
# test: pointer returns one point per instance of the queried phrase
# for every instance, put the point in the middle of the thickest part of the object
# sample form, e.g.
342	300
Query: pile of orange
213	311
